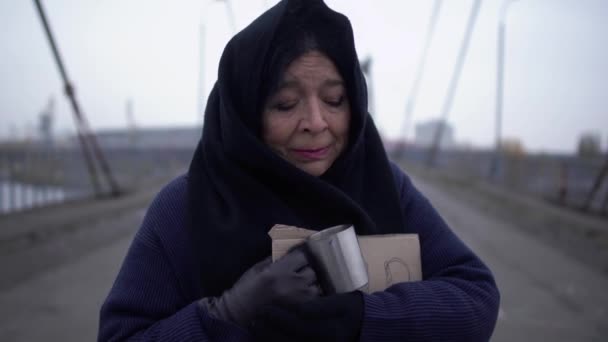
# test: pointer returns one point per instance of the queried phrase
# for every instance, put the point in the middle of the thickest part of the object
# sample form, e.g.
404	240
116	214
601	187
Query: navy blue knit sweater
153	298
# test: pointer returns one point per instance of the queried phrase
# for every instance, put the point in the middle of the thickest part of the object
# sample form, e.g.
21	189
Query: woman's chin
315	168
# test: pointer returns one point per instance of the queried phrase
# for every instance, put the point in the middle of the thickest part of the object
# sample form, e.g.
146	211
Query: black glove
333	318
289	280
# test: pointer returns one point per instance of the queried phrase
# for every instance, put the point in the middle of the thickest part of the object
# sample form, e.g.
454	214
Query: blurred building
589	145
425	134
512	147
46	123
148	138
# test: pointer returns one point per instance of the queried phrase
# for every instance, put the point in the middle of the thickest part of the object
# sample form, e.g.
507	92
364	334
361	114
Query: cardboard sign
390	259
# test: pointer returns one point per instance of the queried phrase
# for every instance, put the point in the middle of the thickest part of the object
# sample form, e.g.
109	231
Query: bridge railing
561	179
33	175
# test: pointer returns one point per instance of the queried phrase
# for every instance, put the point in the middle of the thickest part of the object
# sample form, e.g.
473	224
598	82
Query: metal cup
337	259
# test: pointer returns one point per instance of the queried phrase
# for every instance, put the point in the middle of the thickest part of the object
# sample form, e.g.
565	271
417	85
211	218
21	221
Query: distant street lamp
500	66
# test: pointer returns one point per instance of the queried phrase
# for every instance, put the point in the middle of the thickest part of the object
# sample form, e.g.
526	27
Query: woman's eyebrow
328	83
333	82
286	84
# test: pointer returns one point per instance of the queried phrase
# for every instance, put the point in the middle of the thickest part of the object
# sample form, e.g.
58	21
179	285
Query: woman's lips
311	154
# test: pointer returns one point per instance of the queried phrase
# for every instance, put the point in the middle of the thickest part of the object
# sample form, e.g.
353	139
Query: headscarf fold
238	188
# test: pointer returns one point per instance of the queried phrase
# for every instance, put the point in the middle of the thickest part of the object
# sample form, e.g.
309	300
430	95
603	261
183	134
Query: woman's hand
332	318
288	281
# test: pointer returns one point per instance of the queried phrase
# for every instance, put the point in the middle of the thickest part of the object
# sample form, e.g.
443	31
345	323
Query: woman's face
306	120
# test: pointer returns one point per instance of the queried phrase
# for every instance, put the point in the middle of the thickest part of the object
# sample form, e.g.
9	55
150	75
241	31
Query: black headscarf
238	188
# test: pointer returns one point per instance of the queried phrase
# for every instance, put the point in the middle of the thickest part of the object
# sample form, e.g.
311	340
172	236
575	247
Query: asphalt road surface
546	295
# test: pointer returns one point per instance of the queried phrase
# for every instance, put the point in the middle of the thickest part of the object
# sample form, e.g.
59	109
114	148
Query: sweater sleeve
457	300
146	302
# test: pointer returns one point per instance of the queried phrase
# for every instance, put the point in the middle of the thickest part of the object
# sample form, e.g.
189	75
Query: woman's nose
314	118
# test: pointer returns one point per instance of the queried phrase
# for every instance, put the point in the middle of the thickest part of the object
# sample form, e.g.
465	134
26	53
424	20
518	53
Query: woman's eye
336	102
284	106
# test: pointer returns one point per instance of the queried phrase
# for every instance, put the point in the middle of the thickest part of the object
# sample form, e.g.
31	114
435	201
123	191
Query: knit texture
456	301
154	297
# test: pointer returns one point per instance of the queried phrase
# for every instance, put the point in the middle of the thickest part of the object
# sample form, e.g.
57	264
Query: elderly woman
288	139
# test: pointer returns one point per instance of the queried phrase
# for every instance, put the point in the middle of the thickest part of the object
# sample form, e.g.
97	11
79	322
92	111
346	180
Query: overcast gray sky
149	51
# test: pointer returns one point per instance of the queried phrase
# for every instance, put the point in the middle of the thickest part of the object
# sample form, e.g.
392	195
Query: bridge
539	221
551	263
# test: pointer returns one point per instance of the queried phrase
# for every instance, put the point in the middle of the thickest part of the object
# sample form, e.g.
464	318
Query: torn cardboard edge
390	259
